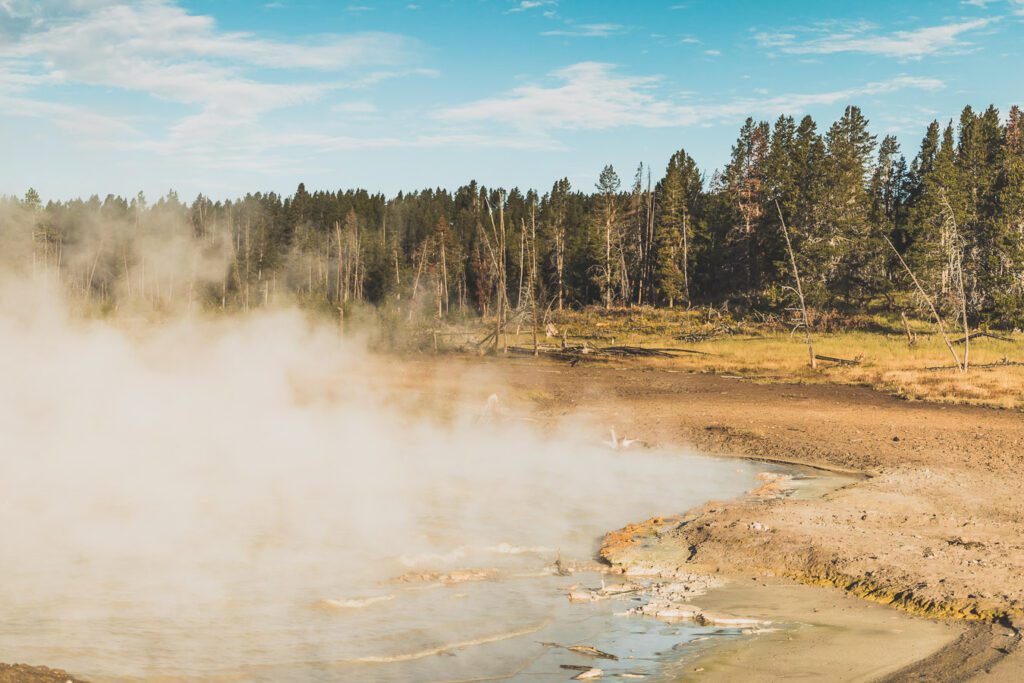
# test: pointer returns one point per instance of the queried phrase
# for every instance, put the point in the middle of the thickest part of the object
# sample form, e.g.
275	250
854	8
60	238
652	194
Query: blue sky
225	96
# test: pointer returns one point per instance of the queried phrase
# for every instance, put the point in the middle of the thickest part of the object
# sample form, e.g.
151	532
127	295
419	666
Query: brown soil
937	529
23	673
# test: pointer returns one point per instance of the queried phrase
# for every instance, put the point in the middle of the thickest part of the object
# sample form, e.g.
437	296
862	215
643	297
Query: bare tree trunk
560	264
497	253
906	328
502	275
419	272
444	274
799	288
337	236
533	273
928	300
608	263
955	263
686	258
963	302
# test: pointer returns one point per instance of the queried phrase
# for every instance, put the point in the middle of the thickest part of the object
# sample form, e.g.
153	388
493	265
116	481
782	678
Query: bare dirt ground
23	673
936	529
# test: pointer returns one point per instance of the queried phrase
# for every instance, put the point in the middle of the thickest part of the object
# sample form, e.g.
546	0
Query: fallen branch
839	361
647	351
693	337
1005	363
974	335
576	353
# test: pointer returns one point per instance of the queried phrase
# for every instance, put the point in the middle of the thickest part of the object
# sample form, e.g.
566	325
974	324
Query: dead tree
497	253
533	278
955	258
799	289
928	300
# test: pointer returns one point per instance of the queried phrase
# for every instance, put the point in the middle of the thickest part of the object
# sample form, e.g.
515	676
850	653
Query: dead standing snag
931	306
799	290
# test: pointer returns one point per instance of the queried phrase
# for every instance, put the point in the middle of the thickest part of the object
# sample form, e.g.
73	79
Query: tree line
854	206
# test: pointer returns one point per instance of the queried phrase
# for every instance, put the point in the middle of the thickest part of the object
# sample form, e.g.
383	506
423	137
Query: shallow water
310	608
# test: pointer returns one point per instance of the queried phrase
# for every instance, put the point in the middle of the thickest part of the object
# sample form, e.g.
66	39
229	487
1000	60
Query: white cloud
158	49
1017	6
588	31
525	5
859	38
336	143
69	117
593	96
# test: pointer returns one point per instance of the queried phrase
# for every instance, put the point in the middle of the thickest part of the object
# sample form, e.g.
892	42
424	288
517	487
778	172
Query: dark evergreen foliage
680	239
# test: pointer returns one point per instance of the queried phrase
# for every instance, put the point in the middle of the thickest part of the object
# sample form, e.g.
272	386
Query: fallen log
1005	363
839	361
974	335
570	356
673	349
645	351
621	351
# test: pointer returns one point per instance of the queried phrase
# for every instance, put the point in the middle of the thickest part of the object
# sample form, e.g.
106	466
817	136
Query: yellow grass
768	352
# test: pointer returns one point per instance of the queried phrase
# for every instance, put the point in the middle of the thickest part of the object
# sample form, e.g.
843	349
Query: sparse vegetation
768	350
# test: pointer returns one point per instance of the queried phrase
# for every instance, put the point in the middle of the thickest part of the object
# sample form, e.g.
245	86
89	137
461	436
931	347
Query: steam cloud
174	497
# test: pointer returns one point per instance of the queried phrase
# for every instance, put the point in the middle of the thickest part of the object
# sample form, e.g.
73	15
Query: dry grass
767	351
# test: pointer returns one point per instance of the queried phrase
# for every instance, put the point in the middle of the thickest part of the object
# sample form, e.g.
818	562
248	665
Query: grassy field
768	350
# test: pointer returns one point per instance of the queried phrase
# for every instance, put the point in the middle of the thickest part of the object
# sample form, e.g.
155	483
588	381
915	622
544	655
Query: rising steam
176	499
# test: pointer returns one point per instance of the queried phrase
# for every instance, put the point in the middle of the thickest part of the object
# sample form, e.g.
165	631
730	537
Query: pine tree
745	184
783	167
888	188
977	160
854	260
608	185
937	201
554	214
1007	266
32	202
678	192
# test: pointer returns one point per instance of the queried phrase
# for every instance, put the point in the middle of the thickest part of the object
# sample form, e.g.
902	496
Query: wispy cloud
591	96
588	31
594	96
1017	6
863	38
80	120
160	50
525	5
